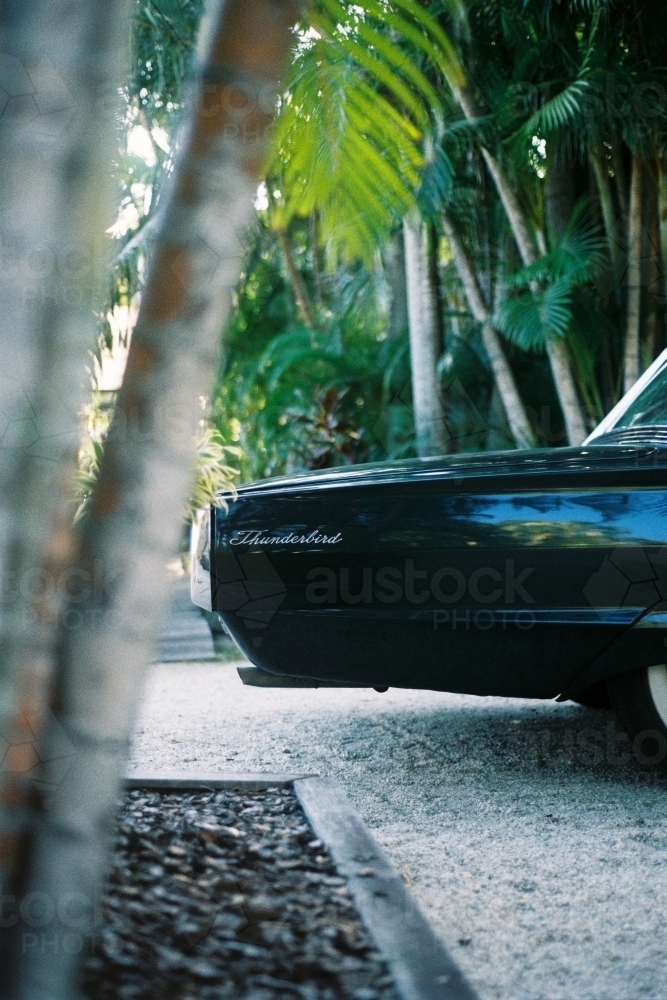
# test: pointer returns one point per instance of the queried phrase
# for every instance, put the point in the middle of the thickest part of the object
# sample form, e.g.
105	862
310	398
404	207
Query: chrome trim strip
631	395
657	619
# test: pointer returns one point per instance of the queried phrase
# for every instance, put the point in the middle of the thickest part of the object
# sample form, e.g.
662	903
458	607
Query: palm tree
578	63
144	479
530	252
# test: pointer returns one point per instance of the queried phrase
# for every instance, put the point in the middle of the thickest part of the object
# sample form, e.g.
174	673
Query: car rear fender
644	644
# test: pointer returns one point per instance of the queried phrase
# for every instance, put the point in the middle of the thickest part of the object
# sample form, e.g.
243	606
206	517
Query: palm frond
213	477
531	319
350	140
578	257
558	112
566	109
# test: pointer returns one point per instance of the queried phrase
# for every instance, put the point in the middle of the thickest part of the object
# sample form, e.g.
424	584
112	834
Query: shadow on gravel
570	740
536	740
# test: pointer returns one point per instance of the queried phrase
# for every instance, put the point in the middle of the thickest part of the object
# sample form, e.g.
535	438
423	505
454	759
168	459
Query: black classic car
534	574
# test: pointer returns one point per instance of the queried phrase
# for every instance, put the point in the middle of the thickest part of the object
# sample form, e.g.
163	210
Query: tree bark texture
557	350
515	412
62	64
429	416
631	363
134	524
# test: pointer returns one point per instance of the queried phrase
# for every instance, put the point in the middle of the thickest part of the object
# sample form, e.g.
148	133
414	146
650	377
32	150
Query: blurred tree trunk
134	525
557	350
631	363
515	412
62	66
302	298
398	289
425	345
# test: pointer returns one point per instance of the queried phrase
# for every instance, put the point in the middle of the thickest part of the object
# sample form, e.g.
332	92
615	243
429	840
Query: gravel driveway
534	841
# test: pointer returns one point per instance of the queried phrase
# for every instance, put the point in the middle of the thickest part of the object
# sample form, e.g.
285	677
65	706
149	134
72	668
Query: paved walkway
534	846
186	635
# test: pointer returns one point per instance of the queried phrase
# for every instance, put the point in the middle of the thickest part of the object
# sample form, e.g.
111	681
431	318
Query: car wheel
639	700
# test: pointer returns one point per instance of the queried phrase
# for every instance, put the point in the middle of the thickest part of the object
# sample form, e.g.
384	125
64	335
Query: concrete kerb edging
420	964
186	781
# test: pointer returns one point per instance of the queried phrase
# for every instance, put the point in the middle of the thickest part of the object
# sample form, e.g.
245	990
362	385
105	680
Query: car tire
639	699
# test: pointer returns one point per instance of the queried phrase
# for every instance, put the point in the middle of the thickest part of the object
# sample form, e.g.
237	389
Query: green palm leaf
579	257
531	319
350	140
561	110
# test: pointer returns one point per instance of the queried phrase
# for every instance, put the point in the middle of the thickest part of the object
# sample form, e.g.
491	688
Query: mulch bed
228	895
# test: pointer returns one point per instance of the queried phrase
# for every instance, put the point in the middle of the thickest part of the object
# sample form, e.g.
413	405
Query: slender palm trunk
527	245
517	418
603	185
557	350
655	319
621	181
424	342
662	214
631	364
65	60
515	215
134	524
301	295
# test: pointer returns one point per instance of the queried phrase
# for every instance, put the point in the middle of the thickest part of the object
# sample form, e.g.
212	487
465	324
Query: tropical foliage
529	136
